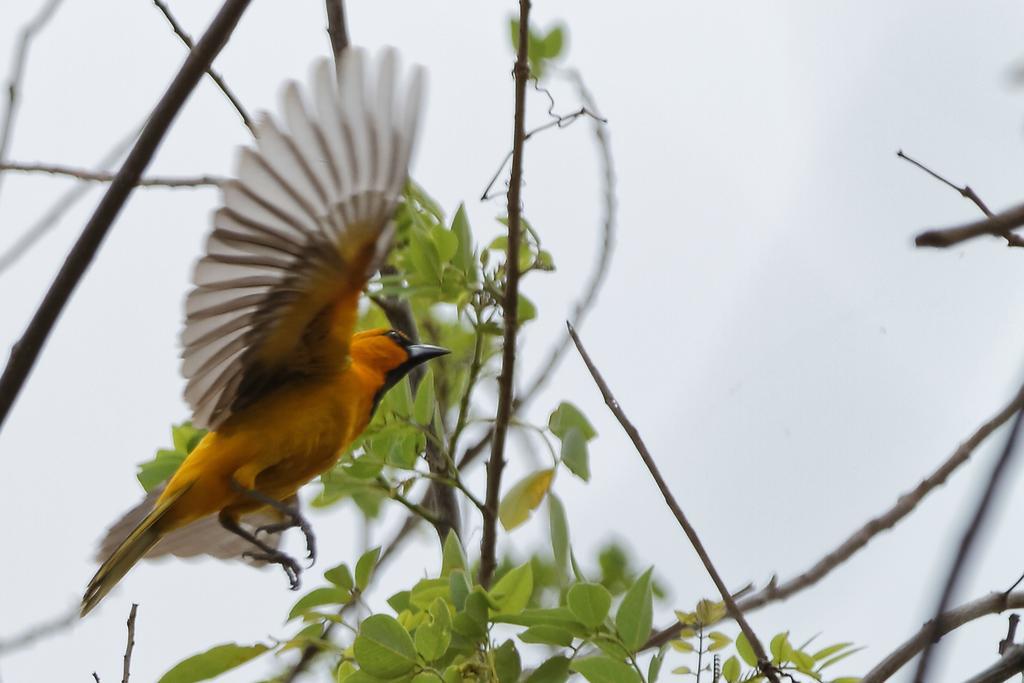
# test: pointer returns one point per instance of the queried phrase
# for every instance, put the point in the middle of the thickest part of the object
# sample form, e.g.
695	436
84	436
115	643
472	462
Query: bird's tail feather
130	551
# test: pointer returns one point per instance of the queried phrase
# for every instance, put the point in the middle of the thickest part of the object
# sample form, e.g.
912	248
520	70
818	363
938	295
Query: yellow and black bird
274	367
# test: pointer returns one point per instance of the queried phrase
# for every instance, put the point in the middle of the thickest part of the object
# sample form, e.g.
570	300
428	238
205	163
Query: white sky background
792	361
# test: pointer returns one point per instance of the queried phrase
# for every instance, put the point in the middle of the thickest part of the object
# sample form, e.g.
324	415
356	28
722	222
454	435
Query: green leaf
718	641
559	527
731	670
426	677
340	576
635	615
212	663
507	663
589	602
345	669
554	670
459	588
471	622
423	405
554	616
523	498
434	637
827	652
605	670
553	42
683	646
548	635
780	648
464	258
400	601
427	590
574	454
512	592
655	666
158	470
709	612
565	417
452	555
317	597
383	648
447	242
365	566
526	310
838	658
682	670
744	650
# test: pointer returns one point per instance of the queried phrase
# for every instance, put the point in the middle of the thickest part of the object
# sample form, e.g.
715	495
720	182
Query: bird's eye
394	336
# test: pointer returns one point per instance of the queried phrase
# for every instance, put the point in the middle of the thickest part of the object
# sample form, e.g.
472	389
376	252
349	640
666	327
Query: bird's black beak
421	353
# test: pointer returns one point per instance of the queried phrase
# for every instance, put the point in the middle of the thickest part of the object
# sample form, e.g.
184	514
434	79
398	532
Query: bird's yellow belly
274	446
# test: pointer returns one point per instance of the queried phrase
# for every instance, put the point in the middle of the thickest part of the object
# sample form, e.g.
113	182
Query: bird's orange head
390	353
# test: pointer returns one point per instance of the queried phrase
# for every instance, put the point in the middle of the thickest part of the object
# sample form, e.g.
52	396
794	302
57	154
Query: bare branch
1006	668
28	33
506	381
130	645
904	505
993	603
763	663
27	349
967	542
999	225
106	177
337	27
187	40
1011	634
966	192
57	210
40	631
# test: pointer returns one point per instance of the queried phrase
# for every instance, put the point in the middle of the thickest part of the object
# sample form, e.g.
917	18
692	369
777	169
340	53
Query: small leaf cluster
541	48
184	438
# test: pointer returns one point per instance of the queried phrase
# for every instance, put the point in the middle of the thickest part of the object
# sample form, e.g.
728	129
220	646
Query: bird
274	368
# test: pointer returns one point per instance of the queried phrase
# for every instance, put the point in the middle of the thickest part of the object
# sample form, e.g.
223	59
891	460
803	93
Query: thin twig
130	645
1011	634
966	192
337	27
106	177
904	505
764	664
506	381
57	210
187	40
39	632
95	677
28	33
993	603
967	541
1011	664
560	122
27	349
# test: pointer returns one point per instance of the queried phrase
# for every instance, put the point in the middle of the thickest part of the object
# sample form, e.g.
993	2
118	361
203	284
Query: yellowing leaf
523	498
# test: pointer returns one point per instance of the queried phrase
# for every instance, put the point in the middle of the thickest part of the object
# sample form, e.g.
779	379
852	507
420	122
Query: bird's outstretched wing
303	227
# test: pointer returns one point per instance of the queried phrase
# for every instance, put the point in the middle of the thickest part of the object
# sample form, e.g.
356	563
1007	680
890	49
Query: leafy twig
187	40
506	382
26	350
28	33
904	505
764	664
106	177
993	603
967	542
130	645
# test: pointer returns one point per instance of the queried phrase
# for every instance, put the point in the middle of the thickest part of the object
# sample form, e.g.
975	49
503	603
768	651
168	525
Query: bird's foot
294	520
287	562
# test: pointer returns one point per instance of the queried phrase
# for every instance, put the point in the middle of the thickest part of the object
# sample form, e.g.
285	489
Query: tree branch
763	663
506	382
966	192
967	542
993	603
130	645
106	177
39	632
26	350
187	40
904	505
28	33
337	27
999	225
1011	664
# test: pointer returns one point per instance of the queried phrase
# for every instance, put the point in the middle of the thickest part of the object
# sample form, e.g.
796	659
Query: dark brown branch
764	664
130	645
337	27
966	546
993	603
57	210
966	192
106	177
28	33
187	40
26	350
1011	634
506	381
1011	664
904	505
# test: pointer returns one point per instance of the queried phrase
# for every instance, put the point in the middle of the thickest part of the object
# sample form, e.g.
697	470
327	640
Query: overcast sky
793	362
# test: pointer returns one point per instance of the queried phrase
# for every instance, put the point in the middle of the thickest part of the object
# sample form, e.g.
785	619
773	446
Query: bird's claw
287	563
296	521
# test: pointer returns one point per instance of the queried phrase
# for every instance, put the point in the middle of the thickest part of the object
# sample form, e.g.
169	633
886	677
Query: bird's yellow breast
275	445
